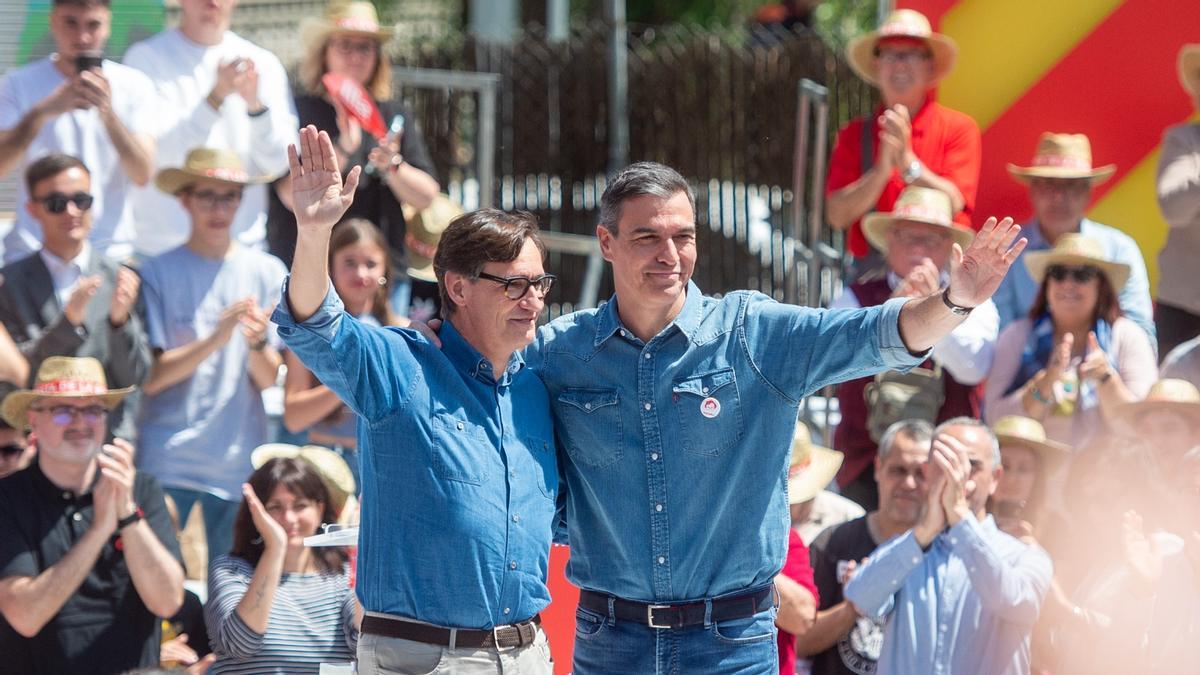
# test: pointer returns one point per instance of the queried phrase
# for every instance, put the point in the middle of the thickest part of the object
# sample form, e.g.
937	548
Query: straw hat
424	230
333	469
223	166
916	205
1178	396
1062	156
1189	68
344	18
1024	432
1078	250
812	467
62	377
902	23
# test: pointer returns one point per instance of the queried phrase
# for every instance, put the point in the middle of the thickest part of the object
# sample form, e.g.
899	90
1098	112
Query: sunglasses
10	450
63	414
515	288
1080	275
56	202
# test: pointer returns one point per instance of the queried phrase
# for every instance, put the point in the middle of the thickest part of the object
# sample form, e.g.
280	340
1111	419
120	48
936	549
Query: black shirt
104	627
856	652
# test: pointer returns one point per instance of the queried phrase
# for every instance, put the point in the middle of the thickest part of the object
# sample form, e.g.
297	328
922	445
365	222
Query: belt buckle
650	616
496	634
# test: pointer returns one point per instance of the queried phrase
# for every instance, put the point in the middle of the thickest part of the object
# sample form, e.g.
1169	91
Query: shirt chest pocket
461	450
590	426
709	412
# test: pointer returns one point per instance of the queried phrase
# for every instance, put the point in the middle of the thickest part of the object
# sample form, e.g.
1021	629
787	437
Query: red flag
357	103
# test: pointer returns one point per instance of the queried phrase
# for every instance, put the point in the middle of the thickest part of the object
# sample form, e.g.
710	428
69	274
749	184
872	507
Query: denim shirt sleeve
826	346
1013	592
371	369
873	588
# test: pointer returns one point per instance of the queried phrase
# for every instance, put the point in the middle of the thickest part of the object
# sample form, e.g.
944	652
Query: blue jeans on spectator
744	646
218	517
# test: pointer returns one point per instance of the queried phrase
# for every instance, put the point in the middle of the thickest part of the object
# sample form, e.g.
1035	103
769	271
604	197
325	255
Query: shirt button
587	406
66	495
516	518
512	472
916	560
622	332
647	406
942	628
512	565
506	610
662	560
658	507
654	456
77	517
460	426
953	540
647	357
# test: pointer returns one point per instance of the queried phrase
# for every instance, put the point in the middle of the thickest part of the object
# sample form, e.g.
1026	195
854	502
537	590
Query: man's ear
456	287
605	237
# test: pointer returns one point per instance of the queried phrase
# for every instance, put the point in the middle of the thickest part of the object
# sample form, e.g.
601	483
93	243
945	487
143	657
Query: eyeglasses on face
11	450
1081	274
355	47
928	240
56	202
515	288
896	56
212	200
63	414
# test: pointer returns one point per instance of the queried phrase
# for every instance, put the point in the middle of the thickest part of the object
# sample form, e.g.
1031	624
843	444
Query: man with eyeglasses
89	561
78	103
215	89
909	140
207	303
1060	181
459	474
68	298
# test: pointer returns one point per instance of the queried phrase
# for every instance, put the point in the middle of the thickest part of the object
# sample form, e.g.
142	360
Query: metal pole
487	145
493	20
618	87
557	20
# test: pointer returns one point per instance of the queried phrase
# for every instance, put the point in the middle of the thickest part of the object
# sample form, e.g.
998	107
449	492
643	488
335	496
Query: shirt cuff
895	353
324	322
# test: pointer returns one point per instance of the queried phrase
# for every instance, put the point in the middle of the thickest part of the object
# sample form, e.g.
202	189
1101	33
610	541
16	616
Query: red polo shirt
946	141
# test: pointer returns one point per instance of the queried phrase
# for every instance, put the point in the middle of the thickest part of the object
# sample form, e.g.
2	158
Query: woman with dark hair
275	605
1076	357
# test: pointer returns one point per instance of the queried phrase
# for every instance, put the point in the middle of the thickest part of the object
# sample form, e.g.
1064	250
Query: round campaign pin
710	407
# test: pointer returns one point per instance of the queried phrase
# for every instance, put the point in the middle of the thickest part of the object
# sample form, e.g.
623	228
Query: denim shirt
459	478
676	450
965	605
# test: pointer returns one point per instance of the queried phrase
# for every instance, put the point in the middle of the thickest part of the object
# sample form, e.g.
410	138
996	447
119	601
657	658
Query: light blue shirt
676	450
459	479
1017	292
965	605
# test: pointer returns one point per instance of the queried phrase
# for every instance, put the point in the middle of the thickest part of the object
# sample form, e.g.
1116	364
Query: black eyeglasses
212	200
56	202
63	414
1081	275
515	288
11	449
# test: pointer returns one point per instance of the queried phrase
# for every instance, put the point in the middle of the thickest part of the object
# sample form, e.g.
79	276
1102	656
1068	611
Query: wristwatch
130	519
912	172
957	309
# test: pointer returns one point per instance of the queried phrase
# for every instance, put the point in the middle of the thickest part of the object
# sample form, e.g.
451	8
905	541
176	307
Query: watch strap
132	518
957	309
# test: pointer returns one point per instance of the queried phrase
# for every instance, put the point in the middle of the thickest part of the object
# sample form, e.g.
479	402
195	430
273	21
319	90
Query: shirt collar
57	265
608	320
1032	231
471	361
51	492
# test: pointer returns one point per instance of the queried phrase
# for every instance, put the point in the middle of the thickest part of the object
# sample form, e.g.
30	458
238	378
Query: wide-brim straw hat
222	166
1076	250
62	377
1178	396
334	470
1189	68
812	467
1024	432
1062	156
423	232
916	205
902	23
344	18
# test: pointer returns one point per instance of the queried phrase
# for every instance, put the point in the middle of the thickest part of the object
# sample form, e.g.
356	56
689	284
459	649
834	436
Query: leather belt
511	635
682	615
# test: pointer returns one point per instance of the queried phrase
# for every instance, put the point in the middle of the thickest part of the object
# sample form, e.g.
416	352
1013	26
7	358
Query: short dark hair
49	166
83	3
474	239
639	180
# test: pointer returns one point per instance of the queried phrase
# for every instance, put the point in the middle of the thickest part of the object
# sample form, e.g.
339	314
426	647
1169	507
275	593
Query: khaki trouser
379	655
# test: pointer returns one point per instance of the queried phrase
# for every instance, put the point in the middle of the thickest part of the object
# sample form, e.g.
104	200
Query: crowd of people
1012	485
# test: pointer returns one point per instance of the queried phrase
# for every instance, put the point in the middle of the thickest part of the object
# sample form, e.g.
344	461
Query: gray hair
978	424
639	180
915	430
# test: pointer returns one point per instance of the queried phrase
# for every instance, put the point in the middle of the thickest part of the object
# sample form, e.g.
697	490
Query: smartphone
87	61
397	125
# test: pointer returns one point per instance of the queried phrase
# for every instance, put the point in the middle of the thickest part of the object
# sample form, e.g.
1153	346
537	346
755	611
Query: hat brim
171	181
1023	174
314	32
1123	418
1189	68
876	225
861	54
1037	262
16	404
1052	453
332	468
819	473
421	268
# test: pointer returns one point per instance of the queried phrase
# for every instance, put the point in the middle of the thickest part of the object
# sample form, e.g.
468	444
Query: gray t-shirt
199	433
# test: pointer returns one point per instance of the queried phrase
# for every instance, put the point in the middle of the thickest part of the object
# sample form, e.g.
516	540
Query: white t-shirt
183	73
79	133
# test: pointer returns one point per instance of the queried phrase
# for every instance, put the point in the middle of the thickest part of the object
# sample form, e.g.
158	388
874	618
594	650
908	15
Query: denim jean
218	517
743	646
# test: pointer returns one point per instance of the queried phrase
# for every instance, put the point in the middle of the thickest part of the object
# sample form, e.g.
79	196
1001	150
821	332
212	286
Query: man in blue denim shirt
676	414
459	478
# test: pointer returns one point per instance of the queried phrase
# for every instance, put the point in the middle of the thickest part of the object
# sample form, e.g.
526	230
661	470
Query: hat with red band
61	377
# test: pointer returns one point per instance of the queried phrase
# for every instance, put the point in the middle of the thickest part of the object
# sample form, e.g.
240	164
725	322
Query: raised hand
231	316
255	322
924	279
1095	366
113	496
273	535
124	296
350	134
245	83
976	273
79	299
898	123
93	87
319	198
933	520
386	154
954	462
227	78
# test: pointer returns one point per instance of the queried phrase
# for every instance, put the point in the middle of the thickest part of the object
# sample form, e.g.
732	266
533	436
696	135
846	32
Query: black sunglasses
56	202
515	288
1080	275
11	449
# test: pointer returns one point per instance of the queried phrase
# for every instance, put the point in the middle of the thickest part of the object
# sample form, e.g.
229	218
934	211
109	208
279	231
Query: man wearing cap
98	114
88	556
841	640
68	299
1060	182
207	303
915	239
215	89
1177	314
909	140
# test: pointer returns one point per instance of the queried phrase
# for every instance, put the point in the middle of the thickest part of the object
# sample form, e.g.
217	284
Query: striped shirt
311	621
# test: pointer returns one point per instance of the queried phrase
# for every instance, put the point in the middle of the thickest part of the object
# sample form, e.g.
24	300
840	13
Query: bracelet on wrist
259	345
956	309
130	519
258	113
214	101
1036	394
